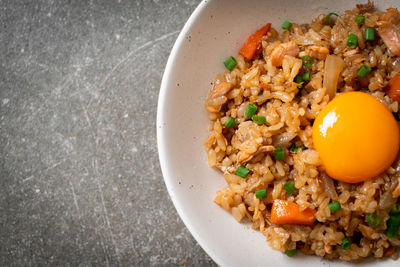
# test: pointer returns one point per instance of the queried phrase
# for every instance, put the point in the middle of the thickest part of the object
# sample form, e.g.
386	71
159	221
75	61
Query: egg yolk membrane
356	137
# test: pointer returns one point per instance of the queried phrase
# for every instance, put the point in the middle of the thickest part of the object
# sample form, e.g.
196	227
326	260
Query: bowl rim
163	153
162	150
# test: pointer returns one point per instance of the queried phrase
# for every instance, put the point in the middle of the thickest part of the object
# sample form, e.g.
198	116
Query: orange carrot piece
393	89
286	212
249	49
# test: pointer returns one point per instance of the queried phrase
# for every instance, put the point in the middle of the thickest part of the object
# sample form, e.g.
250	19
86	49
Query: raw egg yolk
356	137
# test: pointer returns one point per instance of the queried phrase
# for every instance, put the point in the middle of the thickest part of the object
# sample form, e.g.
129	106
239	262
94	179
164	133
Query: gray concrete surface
80	181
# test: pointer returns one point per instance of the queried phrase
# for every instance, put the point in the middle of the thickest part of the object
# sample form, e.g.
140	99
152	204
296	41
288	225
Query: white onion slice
333	67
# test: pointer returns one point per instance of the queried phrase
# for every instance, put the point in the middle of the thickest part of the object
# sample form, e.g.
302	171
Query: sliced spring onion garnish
295	149
364	71
279	153
251	110
346	244
289	188
286	25
352	40
328	18
230	63
306	76
360	20
369	34
334	206
373	219
262	193
307	61
259	119
291	252
230	123
392	225
242	171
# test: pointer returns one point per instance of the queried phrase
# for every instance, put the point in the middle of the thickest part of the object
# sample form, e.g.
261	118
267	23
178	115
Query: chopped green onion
261	92
306	76
328	18
373	219
352	40
289	188
298	79
307	61
295	149
392	225
262	193
279	153
230	63
251	110
242	171
360	20
346	244
302	147
286	25
395	208
230	123
291	252
369	34
334	206
364	71
259	119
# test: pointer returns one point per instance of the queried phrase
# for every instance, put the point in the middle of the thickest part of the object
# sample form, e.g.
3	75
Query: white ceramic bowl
215	31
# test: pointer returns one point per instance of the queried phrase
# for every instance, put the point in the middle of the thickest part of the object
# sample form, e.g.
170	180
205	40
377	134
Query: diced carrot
393	89
286	212
249	49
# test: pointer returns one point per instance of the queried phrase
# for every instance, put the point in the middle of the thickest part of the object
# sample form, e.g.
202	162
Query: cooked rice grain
290	112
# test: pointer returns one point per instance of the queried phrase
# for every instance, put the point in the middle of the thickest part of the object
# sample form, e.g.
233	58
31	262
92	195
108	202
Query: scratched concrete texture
80	181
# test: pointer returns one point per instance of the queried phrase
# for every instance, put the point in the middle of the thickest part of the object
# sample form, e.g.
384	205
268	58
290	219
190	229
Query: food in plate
304	127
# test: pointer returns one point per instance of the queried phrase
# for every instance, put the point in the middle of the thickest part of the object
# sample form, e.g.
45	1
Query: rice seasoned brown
290	109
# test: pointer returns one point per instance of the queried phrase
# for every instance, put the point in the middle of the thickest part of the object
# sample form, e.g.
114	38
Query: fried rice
290	109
